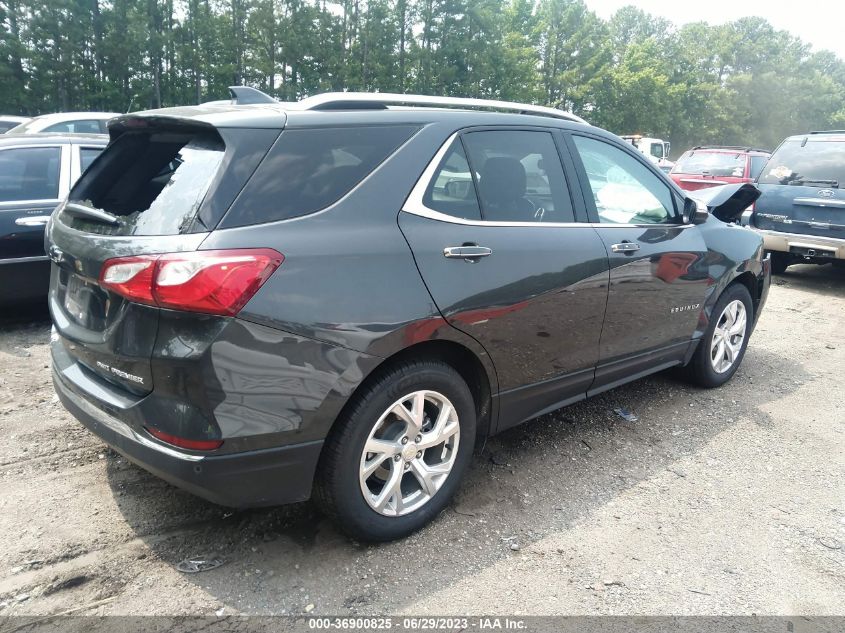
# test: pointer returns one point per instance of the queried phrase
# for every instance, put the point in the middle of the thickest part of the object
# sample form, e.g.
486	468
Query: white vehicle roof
40	123
10	118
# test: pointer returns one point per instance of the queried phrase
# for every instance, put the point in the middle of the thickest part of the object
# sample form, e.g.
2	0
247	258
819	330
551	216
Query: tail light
211	282
181	442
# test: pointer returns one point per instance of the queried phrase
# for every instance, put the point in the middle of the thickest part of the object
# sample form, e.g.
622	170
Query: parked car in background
655	149
801	210
342	295
66	122
7	122
36	172
712	165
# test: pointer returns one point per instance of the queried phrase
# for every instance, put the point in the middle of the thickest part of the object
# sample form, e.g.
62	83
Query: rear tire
722	348
780	261
407	479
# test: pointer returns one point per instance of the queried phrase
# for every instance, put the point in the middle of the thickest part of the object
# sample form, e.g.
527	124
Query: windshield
711	164
816	162
657	150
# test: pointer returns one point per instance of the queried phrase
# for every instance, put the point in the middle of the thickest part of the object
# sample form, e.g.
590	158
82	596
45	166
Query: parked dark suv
801	210
254	301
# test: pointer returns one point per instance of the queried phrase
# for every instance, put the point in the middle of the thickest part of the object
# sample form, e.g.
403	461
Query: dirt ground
729	501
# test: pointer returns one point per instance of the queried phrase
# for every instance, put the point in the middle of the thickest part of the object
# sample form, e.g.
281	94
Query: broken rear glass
153	184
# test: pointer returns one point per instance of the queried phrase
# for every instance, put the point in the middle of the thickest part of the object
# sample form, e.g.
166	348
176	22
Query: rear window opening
153	183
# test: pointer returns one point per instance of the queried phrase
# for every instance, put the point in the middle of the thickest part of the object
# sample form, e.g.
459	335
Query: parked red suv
710	165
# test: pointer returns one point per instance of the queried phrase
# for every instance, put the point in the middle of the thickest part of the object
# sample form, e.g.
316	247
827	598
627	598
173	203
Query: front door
492	228
658	270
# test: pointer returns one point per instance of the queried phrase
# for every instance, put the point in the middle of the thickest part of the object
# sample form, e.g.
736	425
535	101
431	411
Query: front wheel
722	348
394	460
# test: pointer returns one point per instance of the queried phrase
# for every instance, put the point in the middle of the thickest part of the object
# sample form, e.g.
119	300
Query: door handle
625	247
468	251
32	220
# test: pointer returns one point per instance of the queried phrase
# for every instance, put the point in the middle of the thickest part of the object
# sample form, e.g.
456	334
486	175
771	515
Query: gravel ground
714	502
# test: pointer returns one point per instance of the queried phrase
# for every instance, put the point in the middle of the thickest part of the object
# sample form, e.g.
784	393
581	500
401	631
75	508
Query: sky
817	22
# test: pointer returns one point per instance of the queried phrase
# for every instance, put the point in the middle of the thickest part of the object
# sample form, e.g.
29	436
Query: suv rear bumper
266	477
800	245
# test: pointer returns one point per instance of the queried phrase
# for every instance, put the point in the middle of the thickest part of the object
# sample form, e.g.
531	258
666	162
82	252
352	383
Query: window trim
415	205
64	174
592	213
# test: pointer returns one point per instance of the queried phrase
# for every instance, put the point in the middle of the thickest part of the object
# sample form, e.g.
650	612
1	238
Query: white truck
656	149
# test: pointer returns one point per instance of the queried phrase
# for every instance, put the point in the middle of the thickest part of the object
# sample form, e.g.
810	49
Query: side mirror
694	213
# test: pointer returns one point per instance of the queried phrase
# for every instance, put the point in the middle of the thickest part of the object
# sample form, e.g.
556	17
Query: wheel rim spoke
398	446
401	412
392	490
425	477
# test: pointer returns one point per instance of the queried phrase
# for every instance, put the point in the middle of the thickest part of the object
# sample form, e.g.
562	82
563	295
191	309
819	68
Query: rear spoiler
162	123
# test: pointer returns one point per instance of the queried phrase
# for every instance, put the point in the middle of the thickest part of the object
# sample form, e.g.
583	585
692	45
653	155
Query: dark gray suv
341	297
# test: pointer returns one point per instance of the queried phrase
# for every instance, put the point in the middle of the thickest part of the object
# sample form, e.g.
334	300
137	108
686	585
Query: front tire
722	348
396	456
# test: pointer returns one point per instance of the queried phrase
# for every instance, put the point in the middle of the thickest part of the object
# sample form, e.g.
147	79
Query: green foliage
742	82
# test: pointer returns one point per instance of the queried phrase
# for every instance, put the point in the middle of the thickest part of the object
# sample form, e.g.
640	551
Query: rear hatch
801	187
160	187
699	169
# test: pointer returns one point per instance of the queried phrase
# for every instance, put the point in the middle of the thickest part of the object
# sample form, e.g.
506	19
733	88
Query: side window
310	169
625	190
87	156
30	173
519	176
452	191
76	127
757	164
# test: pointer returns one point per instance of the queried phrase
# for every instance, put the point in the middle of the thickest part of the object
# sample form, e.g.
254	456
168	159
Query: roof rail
741	148
380	100
825	132
242	95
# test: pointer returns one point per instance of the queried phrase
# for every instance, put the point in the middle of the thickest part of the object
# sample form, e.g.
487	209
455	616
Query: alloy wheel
409	453
728	336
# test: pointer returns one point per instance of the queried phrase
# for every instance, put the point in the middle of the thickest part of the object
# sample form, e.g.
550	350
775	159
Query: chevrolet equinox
340	297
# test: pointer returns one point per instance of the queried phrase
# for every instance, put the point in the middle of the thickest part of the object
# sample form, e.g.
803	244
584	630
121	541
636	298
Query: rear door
492	227
658	271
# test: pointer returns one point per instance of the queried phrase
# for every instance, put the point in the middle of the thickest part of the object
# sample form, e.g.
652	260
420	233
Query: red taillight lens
131	277
212	282
181	442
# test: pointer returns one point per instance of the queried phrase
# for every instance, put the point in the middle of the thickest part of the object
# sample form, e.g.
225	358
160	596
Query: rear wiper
804	181
80	210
